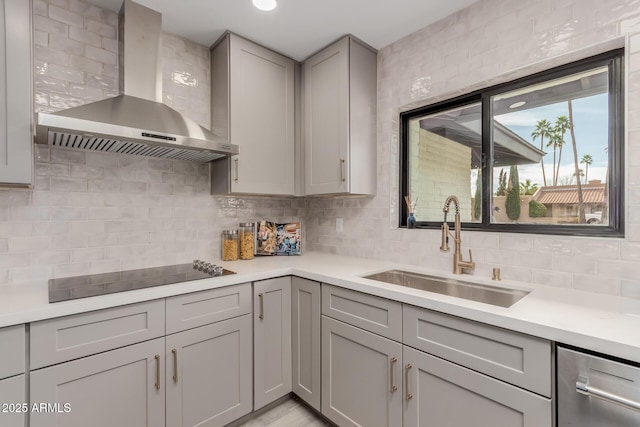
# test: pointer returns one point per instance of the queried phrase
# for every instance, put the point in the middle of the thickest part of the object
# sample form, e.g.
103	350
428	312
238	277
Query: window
542	154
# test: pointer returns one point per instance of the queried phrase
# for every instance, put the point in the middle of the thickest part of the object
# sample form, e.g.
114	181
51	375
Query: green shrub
537	210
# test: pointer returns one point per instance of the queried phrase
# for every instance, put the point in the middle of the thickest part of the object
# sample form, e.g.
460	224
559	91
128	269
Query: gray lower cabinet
440	393
13	400
123	387
305	340
361	377
209	374
272	339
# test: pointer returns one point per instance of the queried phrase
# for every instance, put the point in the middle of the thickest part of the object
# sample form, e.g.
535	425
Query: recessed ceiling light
265	4
517	104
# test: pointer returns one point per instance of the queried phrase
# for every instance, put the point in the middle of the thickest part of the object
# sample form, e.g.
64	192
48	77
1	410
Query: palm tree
587	160
581	217
542	131
554	141
562	126
527	188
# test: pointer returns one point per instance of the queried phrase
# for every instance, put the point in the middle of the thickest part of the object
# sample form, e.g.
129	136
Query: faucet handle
470	257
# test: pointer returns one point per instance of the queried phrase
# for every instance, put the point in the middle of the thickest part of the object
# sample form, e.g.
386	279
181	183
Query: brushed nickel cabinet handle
392	381
175	365
237	174
157	372
261	297
342	174
408	395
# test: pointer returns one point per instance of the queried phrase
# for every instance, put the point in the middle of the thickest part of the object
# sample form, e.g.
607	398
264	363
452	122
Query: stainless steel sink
502	297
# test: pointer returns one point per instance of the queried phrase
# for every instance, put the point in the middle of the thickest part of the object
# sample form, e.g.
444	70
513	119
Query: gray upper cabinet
16	112
252	104
305	340
272	339
340	119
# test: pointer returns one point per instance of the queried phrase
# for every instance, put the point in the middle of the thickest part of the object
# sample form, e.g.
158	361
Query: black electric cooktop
69	288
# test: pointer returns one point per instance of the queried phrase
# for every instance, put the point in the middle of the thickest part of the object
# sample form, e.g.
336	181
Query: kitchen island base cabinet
439	393
272	339
361	377
209	374
12	397
305	339
123	387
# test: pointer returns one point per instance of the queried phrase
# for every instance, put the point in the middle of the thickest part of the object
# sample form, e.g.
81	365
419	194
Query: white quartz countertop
602	323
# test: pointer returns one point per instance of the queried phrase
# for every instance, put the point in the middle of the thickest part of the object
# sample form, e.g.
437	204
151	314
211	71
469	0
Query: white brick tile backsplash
45	24
58	256
143	212
27	244
85	64
87	254
33	273
68	184
552	278
86	37
104	29
68	213
67	74
101	55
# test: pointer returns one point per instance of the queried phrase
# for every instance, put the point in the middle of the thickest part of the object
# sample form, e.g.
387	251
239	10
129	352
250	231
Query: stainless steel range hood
136	122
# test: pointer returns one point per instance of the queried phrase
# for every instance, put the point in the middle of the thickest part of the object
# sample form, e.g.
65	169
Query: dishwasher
594	391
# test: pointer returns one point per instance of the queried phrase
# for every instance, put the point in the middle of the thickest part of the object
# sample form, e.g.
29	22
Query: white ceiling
298	28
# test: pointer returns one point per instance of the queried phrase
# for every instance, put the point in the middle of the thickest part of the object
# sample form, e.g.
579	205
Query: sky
590	117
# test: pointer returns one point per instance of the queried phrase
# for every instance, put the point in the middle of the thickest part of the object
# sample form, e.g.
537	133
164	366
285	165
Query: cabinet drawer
378	315
66	338
201	308
13	351
516	358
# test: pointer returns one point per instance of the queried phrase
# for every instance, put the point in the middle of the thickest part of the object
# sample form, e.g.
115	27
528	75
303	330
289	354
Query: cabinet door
123	387
16	160
439	393
305	339
262	119
361	382
326	120
12	398
208	374
272	339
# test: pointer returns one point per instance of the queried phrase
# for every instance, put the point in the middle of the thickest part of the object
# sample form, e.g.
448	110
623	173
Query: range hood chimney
136	122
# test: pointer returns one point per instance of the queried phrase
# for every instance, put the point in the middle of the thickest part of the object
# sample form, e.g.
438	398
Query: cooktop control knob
207	267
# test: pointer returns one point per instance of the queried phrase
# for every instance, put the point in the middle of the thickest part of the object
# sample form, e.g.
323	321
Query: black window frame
614	60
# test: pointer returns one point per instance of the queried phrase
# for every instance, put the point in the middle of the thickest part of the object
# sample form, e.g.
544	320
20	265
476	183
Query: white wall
95	212
494	41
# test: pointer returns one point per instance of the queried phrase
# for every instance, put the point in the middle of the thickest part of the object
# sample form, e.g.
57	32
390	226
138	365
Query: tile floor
290	413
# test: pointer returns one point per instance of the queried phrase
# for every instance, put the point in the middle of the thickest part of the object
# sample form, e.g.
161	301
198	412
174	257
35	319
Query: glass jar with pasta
229	245
247	240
